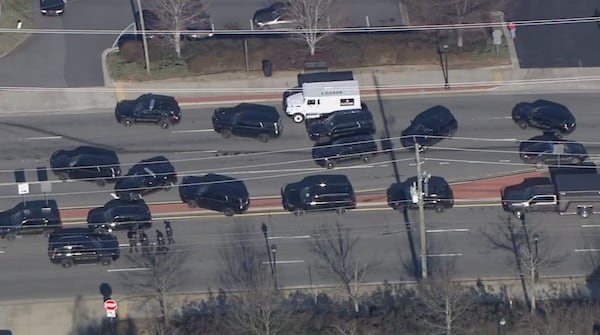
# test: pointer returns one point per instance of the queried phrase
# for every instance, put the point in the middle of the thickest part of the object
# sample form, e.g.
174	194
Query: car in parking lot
85	162
545	115
216	192
329	154
341	123
146	176
52	7
71	246
248	120
437	194
317	193
162	110
272	17
120	214
430	127
551	150
30	217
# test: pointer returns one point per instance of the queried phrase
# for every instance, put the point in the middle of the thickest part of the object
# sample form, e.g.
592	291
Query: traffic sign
111	314
23	188
110	305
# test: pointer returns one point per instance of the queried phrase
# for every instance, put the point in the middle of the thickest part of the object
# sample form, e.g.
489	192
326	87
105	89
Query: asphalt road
564	45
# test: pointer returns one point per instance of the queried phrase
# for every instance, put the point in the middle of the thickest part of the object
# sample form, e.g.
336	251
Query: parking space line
286	262
456	230
192	131
444	255
127	269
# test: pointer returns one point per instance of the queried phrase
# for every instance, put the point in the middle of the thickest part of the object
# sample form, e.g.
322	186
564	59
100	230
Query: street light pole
422	229
443	54
273	251
536	239
265	231
144	40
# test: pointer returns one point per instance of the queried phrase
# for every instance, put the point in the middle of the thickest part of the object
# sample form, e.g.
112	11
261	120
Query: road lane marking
1	251
127	269
42	138
192	131
195	152
444	255
586	250
458	230
286	262
289	237
590	225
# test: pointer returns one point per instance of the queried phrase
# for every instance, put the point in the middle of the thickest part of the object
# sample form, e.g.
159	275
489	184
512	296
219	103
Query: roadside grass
211	56
11	11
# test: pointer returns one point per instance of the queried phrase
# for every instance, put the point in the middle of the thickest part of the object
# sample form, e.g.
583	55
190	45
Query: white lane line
590	225
444	255
195	152
505	161
586	250
444	163
42	138
286	262
1	251
289	237
192	131
457	230
299	170
127	269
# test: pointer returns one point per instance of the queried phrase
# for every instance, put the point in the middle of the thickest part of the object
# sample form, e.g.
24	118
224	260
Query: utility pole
422	230
144	40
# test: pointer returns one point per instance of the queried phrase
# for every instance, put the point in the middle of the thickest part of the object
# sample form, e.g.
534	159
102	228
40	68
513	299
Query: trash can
267	67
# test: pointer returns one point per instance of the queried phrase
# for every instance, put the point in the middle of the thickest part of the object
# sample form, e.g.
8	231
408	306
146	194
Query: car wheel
105	260
298	118
522	124
365	158
340	210
163	124
66	263
539	165
127	122
192	204
226	133
439	208
264	138
228	212
298	212
100	182
575	160
330	164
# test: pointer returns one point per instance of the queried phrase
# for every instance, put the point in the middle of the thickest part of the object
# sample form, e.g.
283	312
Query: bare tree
165	273
311	17
446	303
335	253
256	306
527	255
180	15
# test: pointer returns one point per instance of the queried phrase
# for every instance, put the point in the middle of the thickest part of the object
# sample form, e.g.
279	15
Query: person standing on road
169	231
512	27
160	239
145	243
132	236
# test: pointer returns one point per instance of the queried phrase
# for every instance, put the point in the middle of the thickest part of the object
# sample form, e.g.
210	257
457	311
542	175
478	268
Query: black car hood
59	160
129	183
223	117
126	107
318	129
96	215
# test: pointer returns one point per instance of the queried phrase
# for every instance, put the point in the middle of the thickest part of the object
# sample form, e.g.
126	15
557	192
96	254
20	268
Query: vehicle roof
125	203
434	114
569	147
212	179
260	111
577	182
157	165
324	179
268	13
331	88
324	76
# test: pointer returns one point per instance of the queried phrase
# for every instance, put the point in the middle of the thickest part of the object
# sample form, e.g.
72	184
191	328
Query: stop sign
110	305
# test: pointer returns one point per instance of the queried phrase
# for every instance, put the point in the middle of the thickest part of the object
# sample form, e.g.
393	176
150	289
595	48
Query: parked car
84	162
341	123
273	17
329	154
146	176
545	115
149	108
71	246
437	195
550	150
248	120
30	217
215	192
319	192
52	7
151	23
430	127
119	214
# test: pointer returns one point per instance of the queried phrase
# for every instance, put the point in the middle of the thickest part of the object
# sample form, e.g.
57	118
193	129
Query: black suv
146	176
437	194
545	115
31	217
149	108
548	149
215	192
430	127
271	17
118	214
78	245
341	123
52	7
96	164
319	192
329	154
248	120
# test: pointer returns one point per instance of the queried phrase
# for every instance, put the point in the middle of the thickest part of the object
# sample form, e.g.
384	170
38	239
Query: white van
319	98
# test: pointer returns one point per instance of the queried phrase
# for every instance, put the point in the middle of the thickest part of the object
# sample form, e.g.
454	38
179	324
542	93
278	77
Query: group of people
138	236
